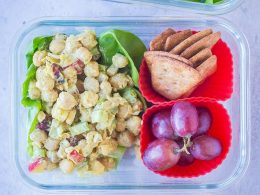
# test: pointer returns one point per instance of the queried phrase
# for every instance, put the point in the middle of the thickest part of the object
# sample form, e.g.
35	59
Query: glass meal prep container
212	9
131	174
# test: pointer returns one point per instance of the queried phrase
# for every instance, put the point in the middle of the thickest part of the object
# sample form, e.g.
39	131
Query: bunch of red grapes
181	137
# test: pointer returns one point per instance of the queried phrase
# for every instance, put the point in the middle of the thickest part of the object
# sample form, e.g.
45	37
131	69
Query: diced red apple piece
76	157
78	66
38	165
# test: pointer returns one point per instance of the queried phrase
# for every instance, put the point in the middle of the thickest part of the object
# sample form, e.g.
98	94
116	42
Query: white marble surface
13	13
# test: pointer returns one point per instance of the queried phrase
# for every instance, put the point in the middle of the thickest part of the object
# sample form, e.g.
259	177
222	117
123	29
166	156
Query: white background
13	13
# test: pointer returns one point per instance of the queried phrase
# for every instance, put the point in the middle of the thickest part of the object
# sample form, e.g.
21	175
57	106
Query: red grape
184	119
205	120
161	154
205	147
185	158
161	125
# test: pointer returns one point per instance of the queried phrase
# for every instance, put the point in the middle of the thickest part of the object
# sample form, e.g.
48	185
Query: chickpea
117	98
137	107
41	116
72	44
85	148
85	114
34	92
88	39
124	111
51	166
66	166
51	144
44	80
64	143
71	117
72	89
126	139
118	81
88	99
93	138
91	69
112	70
57	45
119	60
83	54
48	107
93	156
107	147
52	155
102	77
66	101
71	75
38	58
49	96
65	135
96	167
105	89
61	153
91	84
58	113
37	144
109	163
133	124
120	125
40	71
38	136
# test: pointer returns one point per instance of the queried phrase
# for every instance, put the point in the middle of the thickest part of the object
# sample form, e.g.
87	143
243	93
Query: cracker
200	57
150	56
157	44
189	41
208	67
176	39
172	78
207	42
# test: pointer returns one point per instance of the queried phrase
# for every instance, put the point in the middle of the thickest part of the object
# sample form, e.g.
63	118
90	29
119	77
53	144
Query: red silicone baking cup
220	129
218	86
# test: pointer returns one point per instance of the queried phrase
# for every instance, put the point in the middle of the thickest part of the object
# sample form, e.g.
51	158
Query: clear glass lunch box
212	9
131	173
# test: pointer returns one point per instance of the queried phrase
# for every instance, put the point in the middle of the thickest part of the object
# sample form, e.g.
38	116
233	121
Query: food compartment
131	173
220	129
219	85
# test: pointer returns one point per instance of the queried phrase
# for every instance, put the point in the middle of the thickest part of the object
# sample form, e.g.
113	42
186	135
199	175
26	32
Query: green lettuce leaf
126	43
35	108
39	43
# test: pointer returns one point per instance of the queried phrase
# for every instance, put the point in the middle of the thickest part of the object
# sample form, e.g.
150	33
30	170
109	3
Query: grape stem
186	143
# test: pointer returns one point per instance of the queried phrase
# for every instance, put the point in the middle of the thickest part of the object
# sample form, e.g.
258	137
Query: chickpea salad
82	96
